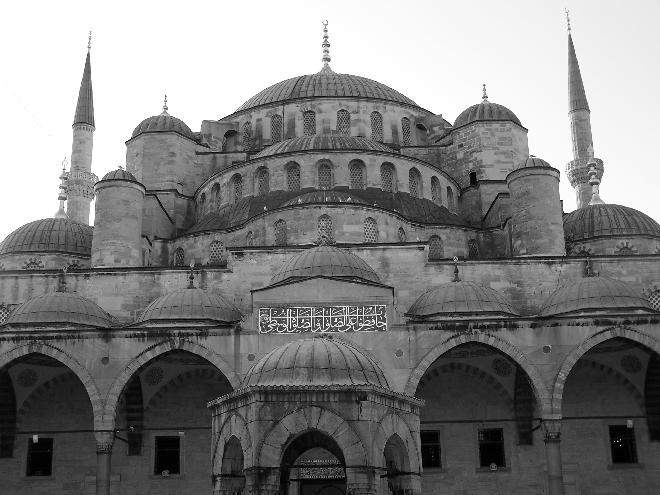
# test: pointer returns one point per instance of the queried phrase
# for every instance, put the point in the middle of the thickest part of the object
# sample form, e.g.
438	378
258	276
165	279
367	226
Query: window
179	257
276	129
325	228
436	250
5	311
167	455
653	295
343	123
325	177
376	126
402	235
263	181
280	233
415	183
216	197
237	181
356	173
431	449
309	123
387	177
293	177
450	198
473	178
218	254
247	136
435	190
405	131
40	457
623	445
491	448
473	249
370	230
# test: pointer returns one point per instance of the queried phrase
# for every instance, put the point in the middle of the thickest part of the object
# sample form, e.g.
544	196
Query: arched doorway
397	467
313	464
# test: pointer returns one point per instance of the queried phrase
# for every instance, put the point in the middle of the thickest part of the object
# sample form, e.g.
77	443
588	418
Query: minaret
579	116
80	183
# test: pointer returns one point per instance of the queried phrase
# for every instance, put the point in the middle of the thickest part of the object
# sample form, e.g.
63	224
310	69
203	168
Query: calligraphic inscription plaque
323	319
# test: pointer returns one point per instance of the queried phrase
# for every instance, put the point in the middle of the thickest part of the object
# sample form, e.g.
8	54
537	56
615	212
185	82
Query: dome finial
456	277
326	47
89	41
568	20
165	108
594	181
62	197
191	275
588	269
484	97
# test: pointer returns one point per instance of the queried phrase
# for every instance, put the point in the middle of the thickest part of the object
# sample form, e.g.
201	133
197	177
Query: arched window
473	248
217	253
387	177
179	257
435	190
237	185
405	131
293	177
376	126
450	198
276	128
249	239
280	233
436	249
402	235
325	176
370	230
356	173
415	183
229	141
343	123
263	181
309	123
325	228
247	136
216	196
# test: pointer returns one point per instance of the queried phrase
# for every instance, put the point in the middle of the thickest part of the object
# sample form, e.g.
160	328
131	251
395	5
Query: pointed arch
234	426
390	425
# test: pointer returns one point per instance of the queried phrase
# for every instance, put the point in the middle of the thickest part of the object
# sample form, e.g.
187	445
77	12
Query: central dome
325	84
317	361
323	142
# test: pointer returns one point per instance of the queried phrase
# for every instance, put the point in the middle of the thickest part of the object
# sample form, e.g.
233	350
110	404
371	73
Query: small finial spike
594	182
484	97
191	275
568	20
588	269
326	46
62	196
89	41
165	108
456	277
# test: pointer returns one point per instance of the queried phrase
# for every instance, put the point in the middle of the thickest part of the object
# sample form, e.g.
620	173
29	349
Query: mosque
332	291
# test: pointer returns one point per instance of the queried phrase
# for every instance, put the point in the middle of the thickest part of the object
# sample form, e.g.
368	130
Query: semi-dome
318	361
485	111
458	299
323	142
608	220
60	308
325	84
50	235
191	304
119	174
325	261
593	294
163	123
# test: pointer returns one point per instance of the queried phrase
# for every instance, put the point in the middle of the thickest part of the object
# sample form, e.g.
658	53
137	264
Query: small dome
594	294
456	299
533	161
608	220
119	174
485	111
191	304
325	196
50	235
317	361
323	142
325	261
60	308
163	123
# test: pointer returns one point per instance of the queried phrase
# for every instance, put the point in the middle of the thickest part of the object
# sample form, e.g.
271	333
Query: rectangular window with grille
431	449
167	455
622	444
40	457
491	448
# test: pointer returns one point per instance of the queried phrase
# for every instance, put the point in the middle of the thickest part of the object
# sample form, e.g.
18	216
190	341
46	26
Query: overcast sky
209	57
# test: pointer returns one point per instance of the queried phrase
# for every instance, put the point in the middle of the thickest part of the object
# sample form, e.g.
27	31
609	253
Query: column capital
104	441
552	429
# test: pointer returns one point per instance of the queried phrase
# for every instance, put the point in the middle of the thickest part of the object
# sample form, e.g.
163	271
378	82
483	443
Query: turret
80	182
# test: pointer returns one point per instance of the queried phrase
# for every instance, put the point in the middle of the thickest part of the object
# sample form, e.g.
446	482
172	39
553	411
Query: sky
210	57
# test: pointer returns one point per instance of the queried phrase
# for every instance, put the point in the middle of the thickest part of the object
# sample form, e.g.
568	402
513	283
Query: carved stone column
361	480
104	442
552	429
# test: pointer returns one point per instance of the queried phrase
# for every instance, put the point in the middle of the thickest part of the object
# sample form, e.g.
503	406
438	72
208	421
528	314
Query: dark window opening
40	457
491	448
622	444
473	178
167	458
431	449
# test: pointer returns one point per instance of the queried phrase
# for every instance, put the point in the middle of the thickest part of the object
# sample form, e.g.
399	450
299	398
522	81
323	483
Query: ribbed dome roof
60	308
60	235
593	294
325	83
119	174
327	261
163	123
322	142
608	220
485	111
317	361
459	299
191	304
533	161
325	196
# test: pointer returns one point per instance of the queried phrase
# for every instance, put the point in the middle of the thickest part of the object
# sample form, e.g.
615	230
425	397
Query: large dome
325	83
318	361
323	142
163	123
606	220
191	304
50	235
60	308
325	261
485	111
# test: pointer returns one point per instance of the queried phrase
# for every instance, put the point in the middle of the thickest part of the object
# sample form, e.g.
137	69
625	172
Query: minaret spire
85	107
326	48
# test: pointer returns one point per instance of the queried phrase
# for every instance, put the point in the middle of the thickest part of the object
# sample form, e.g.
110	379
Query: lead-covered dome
593	293
50	235
460	299
318	361
328	84
163	123
59	308
323	142
119	174
190	305
325	261
485	111
608	220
